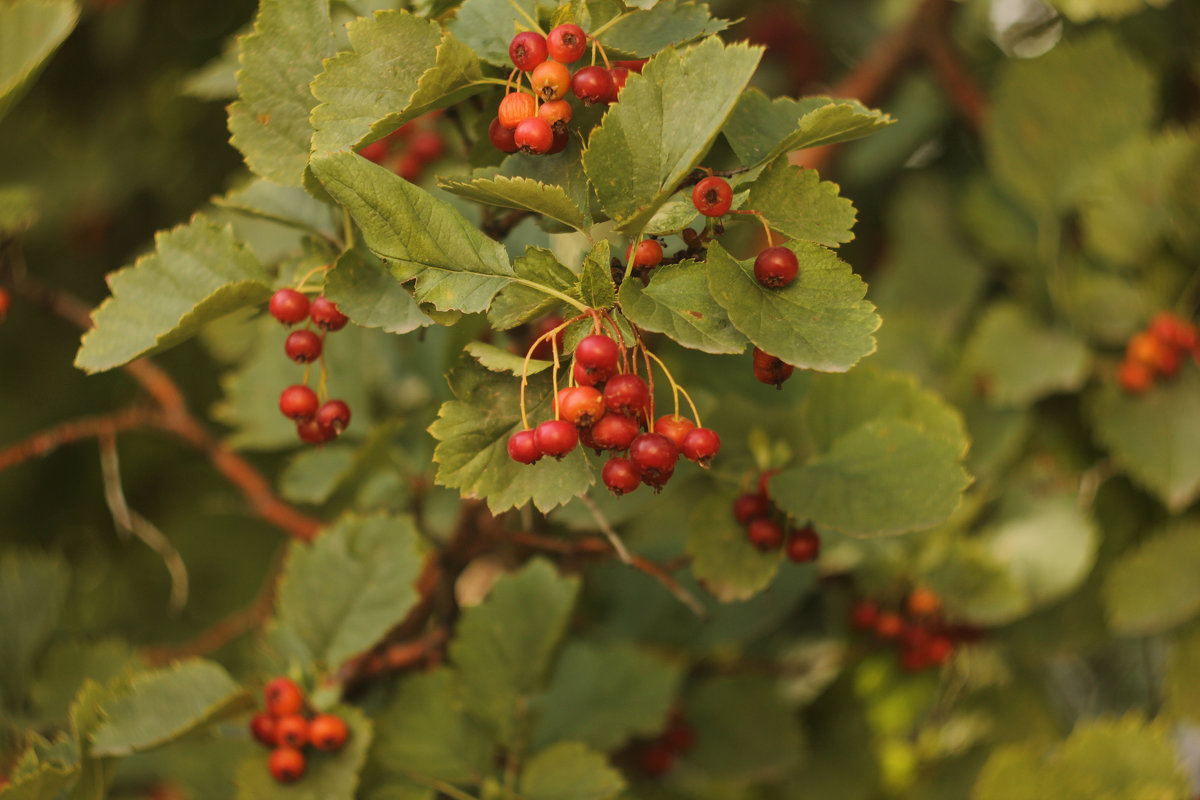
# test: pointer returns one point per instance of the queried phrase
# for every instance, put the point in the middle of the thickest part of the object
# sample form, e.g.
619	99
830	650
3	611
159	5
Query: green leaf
197	273
503	647
457	268
563	170
743	732
520	302
677	303
604	694
1154	588
1181	690
596	288
1153	436
760	129
672	22
285	205
66	664
342	592
48	782
1084	10
723	560
520	193
473	430
312	476
819	321
18	209
33	588
1045	132
497	360
368	294
30	30
327	776
997	362
667	119
570	771
798	204
86	716
401	67
270	122
487	26
165	704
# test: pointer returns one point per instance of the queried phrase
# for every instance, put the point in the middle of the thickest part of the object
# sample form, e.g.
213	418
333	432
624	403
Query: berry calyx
303	346
765	534
566	43
288	306
522	447
282	697
700	445
771	370
328	732
527	50
776	267
516	106
598	356
555	437
298	403
582	406
262	728
501	137
712	196
615	432
626	394
291	731
750	506
649	253
286	764
674	428
803	545
620	475
556	113
334	414
533	135
326	316
550	80
654	455
592	85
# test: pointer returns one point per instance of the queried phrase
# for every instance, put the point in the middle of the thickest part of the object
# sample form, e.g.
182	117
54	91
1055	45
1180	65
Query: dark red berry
522	447
566	43
627	394
515	107
803	545
864	615
619	75
561	138
712	196
326	316
556	113
292	731
527	50
674	428
598	355
620	475
615	432
654	455
427	146
541	329
771	370
328	732
556	437
282	697
776	267
313	432
765	534
533	135
592	85
262	727
764	482
632	66
303	346
376	151
700	445
550	80
750	506
288	306
649	253
582	406
298	403
913	659
286	764
679	737
889	625
409	167
334	414
657	760
939	650
501	137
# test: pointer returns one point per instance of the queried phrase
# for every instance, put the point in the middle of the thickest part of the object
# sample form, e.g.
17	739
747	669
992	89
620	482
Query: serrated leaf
760	129
604	694
723	560
285	205
666	120
677	303
997	361
1181	691
798	204
563	170
672	22
520	302
269	122
487	26
491	357
1154	588
30	31
596	288
502	648
743	732
570	771
885	477
401	67
472	433
1153	436
520	193
33	589
457	268
46	783
328	776
312	476
368	294
165	704
342	592
66	664
86	716
820	321
197	273
1084	10
1045	132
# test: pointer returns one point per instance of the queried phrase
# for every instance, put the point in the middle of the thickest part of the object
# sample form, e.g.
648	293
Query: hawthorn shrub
395	411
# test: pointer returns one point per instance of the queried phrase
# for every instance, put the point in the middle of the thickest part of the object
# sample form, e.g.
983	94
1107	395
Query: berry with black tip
282	697
566	43
627	394
750	506
701	445
328	732
771	370
597	355
298	403
303	346
262	728
502	138
620	475
291	731
776	267
654	455
712	196
288	306
765	534
522	447
527	50
286	764
582	406
674	428
556	437
326	316
615	432
551	80
312	432
803	545
557	114
592	85
334	414
533	136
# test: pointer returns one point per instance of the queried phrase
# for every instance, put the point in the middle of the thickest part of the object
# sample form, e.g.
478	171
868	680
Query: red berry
550	80
632	66
700	445
527	50
764	482
555	437
288	306
649	253
427	146
654	455
515	107
765	534
326	316
913	659
674	428
292	731
750	506
598	356
619	75
262	727
334	414
283	697
627	394
533	135
286	764
1174	331
1134	376
620	475
298	403
615	432
328	732
303	346
864	615
679	737
410	167
561	138
1145	349
939	650
313	432
592	85
771	370
556	113
522	447
776	267
582	406
542	328
376	151
566	43
803	545
923	602
889	625
502	137
657	760
712	196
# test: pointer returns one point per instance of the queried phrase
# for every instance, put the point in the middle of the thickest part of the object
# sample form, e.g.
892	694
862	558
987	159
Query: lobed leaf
1154	588
676	302
723	560
487	26
798	204
30	31
570	771
663	24
368	294
518	303
524	194
596	288
743	732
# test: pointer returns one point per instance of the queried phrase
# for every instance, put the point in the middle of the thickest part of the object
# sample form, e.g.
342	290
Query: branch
47	441
943	58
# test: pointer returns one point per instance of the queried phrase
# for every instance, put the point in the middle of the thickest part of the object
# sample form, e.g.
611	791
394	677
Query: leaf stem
604	28
552	335
525	15
676	389
553	293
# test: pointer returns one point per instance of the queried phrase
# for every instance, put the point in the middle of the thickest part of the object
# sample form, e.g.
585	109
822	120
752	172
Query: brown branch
941	54
92	427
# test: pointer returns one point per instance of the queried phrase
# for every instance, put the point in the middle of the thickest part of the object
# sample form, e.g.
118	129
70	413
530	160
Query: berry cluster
758	514
608	407
408	150
1157	352
316	422
921	637
536	121
656	758
285	728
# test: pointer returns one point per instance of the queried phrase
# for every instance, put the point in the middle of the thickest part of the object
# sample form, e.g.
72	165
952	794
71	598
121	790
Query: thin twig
47	441
618	546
